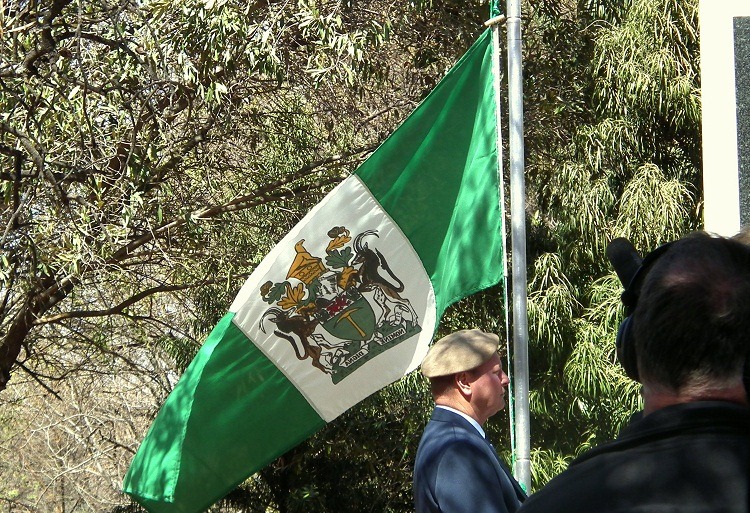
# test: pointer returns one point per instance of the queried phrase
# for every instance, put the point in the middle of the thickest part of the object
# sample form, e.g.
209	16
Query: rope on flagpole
494	25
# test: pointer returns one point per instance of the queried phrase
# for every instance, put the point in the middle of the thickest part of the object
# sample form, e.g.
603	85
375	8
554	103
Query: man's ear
463	383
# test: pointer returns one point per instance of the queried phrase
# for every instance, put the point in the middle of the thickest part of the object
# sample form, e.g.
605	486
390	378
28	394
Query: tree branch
120	308
48	42
40	382
27	317
36	157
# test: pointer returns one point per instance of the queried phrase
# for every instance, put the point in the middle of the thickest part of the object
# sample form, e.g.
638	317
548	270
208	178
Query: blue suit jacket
457	470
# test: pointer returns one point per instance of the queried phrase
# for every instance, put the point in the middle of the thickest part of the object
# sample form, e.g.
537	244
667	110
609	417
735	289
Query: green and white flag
345	304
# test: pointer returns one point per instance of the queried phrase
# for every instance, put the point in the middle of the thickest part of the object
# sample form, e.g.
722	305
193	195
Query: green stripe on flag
231	400
437	177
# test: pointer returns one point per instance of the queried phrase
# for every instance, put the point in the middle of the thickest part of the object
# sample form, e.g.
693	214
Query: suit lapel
516	487
441	415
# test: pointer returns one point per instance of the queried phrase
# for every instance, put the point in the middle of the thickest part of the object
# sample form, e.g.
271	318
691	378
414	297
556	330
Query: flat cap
458	352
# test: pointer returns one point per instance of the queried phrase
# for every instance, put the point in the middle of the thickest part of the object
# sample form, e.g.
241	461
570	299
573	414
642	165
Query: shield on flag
348	316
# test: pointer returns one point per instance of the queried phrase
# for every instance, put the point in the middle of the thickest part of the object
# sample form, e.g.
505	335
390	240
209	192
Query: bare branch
120	308
35	377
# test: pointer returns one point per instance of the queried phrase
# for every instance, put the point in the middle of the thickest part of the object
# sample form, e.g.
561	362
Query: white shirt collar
471	420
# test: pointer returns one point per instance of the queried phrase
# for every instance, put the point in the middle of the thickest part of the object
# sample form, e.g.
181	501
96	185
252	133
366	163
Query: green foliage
623	160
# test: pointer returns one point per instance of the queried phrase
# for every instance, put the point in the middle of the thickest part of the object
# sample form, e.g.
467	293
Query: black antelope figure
300	326
371	279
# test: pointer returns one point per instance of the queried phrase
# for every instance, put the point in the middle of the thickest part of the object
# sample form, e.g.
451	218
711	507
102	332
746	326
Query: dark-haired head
692	322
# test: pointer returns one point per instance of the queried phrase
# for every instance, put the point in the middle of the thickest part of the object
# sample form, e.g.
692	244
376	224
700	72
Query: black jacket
686	458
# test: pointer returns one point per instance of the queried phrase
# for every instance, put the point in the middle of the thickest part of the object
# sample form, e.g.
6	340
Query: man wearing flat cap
456	469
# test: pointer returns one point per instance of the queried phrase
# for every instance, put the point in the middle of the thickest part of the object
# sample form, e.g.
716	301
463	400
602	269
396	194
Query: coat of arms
341	311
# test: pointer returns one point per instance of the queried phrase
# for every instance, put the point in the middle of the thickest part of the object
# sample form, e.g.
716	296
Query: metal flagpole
522	463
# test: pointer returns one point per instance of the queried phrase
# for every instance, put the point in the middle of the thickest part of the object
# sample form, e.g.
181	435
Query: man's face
488	388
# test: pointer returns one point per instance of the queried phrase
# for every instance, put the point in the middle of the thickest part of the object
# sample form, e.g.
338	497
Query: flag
495	8
345	304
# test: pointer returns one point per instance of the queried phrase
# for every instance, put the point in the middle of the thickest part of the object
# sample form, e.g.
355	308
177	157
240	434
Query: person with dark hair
456	469
744	237
686	338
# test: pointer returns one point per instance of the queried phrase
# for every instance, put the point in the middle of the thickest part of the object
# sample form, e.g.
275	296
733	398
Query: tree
71	454
111	133
614	151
